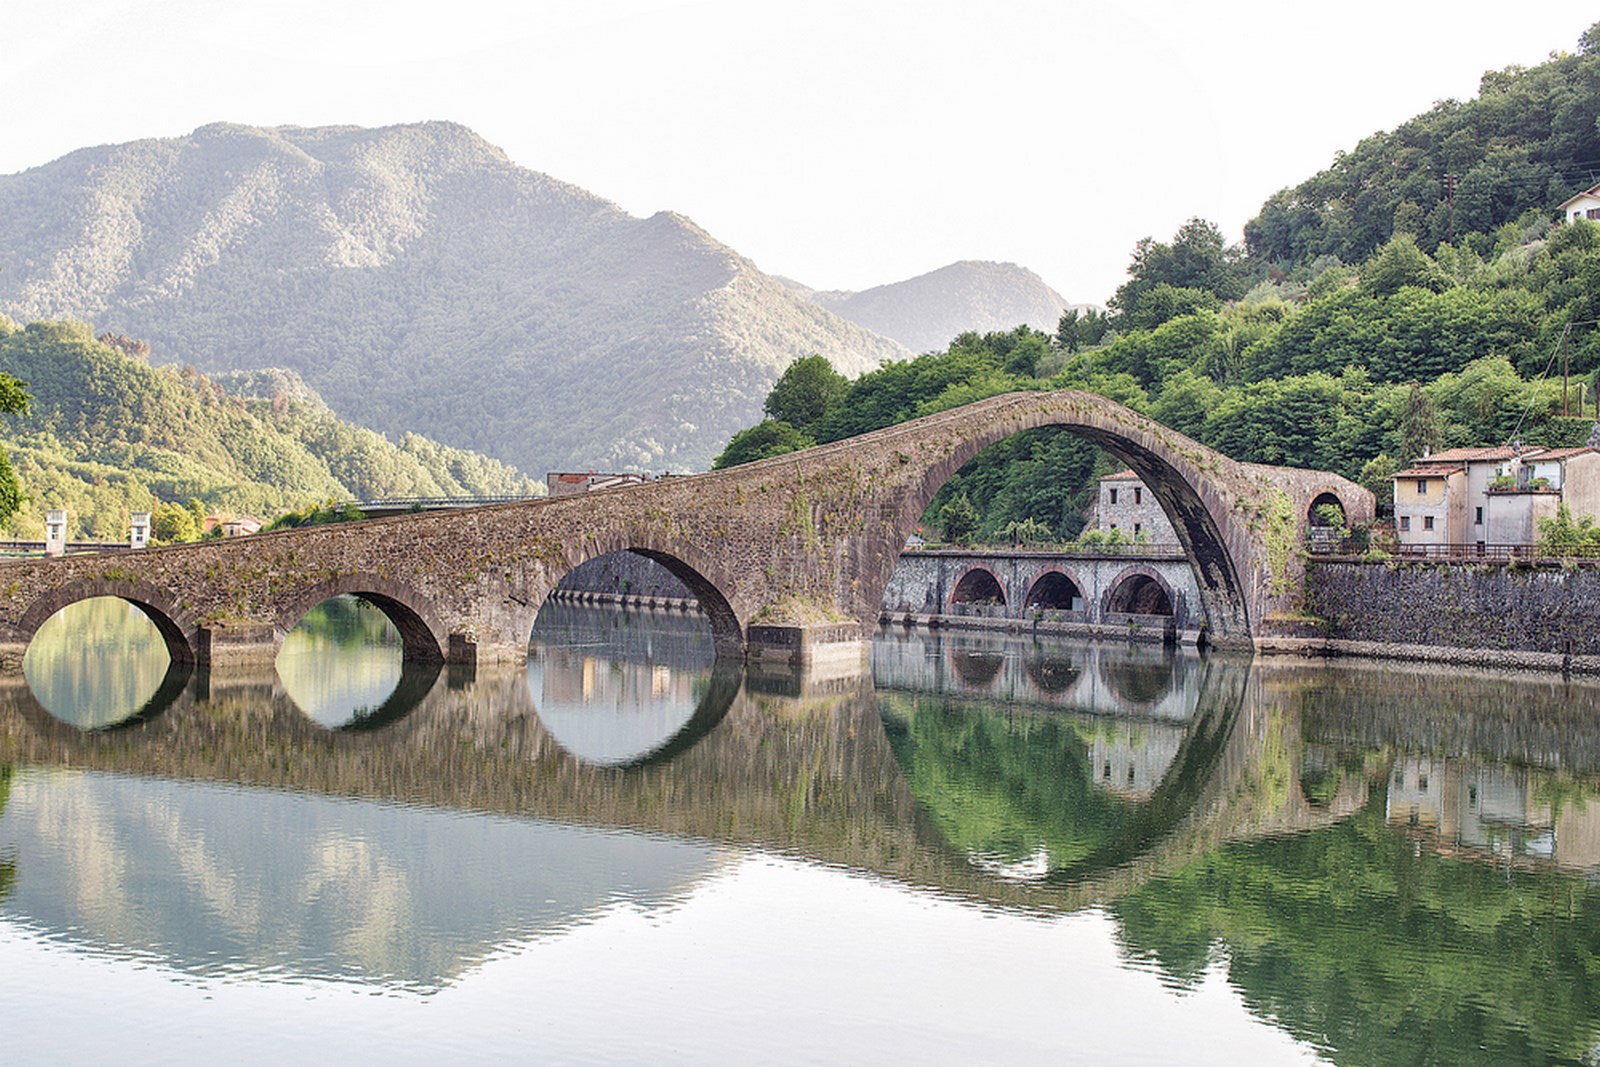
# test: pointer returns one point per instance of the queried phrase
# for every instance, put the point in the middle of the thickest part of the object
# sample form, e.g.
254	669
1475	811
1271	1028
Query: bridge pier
829	648
236	644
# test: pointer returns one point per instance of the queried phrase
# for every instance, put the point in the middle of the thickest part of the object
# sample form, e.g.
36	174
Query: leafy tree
764	440
1162	303
1419	426
1377	477
959	519
1028	532
1199	258
1401	263
1081	329
172	523
324	514
805	392
1562	535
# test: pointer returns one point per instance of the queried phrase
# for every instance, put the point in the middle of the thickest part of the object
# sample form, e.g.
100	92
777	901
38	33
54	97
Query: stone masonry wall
1533	609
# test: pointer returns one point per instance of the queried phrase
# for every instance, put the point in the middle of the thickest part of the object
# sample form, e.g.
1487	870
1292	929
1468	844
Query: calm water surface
983	850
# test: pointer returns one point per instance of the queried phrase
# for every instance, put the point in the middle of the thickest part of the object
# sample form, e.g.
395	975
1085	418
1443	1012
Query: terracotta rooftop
1564	453
1431	470
1472	455
1121	476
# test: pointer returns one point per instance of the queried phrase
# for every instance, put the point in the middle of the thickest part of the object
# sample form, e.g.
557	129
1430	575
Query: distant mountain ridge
924	313
419	281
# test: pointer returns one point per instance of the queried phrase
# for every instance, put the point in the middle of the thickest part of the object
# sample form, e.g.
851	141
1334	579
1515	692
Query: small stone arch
1313	517
727	632
978	585
1139	590
423	638
177	628
1055	589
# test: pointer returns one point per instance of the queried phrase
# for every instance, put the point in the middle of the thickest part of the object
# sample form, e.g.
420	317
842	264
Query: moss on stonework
795	611
1279	539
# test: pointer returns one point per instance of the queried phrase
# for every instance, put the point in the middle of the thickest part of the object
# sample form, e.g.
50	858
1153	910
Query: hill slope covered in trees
108	434
1529	140
418	280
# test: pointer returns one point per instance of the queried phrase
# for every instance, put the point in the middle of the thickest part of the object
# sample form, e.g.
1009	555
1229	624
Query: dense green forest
107	434
1528	141
1267	357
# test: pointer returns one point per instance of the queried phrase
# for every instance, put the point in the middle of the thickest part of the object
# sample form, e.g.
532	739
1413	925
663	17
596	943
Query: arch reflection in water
342	665
616	688
98	663
1063	760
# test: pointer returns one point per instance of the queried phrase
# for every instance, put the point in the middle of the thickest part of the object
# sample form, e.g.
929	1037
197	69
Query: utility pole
1450	195
1566	348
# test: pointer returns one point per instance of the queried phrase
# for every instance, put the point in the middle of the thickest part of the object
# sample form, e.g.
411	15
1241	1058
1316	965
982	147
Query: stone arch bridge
789	554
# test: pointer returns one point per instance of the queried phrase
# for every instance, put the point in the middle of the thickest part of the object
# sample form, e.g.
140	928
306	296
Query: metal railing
1068	548
1466	552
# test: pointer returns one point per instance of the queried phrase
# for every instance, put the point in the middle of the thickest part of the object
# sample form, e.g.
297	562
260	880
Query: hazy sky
842	144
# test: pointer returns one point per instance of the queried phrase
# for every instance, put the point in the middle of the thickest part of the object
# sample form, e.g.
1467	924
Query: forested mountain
1528	141
924	312
418	280
108	434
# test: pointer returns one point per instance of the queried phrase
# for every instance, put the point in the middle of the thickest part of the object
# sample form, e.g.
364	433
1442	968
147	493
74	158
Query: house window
1478	520
1422	487
1138	495
1113	493
1405	522
1427	522
1593	213
1136	528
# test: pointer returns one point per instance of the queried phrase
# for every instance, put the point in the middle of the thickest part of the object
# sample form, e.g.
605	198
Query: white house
1586	205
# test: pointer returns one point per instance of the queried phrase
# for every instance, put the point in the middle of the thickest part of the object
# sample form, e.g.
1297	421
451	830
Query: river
980	849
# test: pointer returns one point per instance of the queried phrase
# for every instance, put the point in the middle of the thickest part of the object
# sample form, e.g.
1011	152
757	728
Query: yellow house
1429	503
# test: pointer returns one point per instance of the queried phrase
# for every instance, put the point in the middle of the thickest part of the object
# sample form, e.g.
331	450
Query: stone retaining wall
1544	614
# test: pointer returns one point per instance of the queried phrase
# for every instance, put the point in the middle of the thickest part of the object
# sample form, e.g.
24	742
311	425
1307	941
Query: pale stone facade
1126	504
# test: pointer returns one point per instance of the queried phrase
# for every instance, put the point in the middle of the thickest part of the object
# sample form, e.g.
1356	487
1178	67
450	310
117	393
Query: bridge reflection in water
1301	817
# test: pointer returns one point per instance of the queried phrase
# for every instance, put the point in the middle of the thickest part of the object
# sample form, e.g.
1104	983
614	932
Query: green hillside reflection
342	662
1016	794
96	663
1379	949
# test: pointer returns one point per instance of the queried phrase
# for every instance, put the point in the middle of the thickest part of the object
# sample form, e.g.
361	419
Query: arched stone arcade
1139	590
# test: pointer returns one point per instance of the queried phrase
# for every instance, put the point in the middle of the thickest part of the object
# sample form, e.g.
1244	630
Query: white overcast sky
844	144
